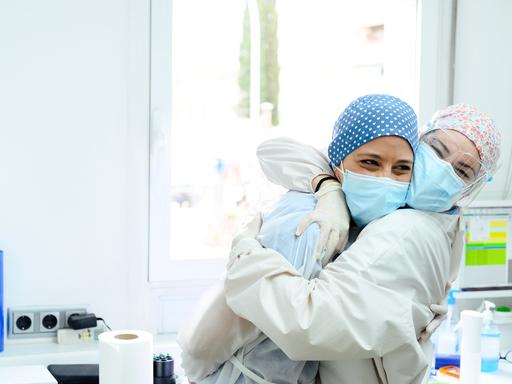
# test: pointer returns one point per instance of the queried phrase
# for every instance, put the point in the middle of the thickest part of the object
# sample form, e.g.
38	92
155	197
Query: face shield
456	149
447	172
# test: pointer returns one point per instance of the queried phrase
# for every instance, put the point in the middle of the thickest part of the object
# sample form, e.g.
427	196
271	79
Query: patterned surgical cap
369	117
476	126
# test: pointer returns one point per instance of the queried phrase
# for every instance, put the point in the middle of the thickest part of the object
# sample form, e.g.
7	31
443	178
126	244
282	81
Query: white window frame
436	39
174	280
161	268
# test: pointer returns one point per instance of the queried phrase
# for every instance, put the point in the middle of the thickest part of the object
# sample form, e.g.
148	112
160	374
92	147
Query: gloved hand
439	311
249	231
332	215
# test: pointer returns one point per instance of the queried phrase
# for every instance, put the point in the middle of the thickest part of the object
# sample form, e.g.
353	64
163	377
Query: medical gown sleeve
291	164
372	302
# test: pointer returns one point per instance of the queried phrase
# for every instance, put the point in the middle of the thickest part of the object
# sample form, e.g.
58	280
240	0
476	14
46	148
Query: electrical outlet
49	321
78	311
25	322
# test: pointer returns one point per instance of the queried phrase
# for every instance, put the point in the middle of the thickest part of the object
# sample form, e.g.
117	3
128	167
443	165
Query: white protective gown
365	311
257	360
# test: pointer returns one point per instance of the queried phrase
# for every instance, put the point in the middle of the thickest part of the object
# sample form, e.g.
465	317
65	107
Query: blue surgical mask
435	186
370	197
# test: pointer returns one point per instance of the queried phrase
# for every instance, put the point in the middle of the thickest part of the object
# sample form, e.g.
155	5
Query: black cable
104	322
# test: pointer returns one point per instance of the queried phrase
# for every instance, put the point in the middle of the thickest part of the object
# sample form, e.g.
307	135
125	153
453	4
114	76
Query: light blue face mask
370	197
435	186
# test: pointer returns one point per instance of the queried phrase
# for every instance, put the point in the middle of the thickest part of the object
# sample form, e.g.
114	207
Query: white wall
74	86
483	72
73	155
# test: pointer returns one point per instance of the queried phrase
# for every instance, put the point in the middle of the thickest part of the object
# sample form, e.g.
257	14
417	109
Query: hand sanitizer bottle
490	339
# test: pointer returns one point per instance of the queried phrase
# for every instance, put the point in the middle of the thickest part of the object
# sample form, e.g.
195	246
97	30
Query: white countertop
31	374
31	357
46	352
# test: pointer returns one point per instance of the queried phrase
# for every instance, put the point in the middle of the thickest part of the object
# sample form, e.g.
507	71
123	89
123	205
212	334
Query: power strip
39	321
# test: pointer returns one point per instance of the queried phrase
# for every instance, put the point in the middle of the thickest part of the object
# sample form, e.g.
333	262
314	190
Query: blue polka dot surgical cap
369	117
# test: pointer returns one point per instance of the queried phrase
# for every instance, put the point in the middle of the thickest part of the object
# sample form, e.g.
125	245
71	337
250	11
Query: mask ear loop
342	169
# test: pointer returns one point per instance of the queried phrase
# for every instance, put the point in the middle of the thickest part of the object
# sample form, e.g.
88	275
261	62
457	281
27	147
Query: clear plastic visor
456	149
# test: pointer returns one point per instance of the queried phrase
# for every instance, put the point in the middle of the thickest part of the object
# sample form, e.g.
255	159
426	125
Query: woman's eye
403	168
369	162
462	173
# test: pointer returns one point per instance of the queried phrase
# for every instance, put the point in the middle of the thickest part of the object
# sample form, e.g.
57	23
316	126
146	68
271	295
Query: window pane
328	53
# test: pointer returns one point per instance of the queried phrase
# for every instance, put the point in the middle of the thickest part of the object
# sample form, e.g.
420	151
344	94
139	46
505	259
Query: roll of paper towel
470	350
126	357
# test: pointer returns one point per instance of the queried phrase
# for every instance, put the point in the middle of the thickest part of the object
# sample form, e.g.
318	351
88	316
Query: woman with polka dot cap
376	136
372	154
366	314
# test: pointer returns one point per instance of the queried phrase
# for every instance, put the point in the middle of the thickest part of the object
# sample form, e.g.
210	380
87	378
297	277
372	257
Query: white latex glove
332	215
439	311
248	232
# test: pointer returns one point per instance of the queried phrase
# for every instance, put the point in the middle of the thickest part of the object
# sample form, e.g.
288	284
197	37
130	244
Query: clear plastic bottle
447	341
453	314
490	339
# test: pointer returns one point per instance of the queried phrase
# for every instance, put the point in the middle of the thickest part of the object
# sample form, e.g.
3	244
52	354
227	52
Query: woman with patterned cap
387	132
367	311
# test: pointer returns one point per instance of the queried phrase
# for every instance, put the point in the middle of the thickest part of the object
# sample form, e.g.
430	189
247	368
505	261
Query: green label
486	255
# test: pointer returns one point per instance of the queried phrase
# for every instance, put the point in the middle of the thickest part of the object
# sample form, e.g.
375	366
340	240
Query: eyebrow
370	154
445	148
